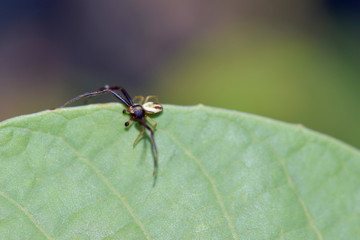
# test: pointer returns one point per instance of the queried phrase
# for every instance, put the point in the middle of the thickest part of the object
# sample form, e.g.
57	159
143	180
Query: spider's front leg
130	120
85	95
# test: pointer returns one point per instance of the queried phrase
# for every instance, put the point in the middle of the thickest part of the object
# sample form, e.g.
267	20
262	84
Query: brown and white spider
138	111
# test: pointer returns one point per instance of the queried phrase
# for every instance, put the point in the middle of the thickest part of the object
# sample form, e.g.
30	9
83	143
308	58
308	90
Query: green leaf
74	174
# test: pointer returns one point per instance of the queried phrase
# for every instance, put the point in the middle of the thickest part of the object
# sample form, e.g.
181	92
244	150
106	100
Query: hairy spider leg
141	100
91	94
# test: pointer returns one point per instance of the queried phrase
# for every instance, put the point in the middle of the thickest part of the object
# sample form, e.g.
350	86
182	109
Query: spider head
137	111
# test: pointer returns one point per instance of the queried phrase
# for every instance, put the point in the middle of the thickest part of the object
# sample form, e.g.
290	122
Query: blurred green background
296	61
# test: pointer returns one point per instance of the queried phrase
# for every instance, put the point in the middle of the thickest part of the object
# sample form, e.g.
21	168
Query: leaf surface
73	174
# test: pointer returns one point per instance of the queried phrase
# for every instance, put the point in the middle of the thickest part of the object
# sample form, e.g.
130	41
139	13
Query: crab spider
138	108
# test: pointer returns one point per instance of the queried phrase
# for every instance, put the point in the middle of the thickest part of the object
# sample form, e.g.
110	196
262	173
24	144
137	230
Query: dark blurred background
296	61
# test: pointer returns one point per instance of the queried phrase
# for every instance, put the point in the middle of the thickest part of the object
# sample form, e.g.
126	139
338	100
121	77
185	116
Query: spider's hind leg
151	121
138	137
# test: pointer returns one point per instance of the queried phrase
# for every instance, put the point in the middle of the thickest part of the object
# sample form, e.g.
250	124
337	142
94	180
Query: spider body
138	108
137	111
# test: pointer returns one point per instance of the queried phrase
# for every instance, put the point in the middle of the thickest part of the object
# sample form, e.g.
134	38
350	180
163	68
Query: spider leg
116	88
85	95
91	94
152	97
139	136
129	121
128	104
141	100
151	121
154	147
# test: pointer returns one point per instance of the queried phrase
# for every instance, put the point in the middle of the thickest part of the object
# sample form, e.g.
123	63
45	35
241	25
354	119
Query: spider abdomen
152	108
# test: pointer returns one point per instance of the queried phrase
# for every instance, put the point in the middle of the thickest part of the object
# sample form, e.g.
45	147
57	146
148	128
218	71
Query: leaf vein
292	186
210	179
27	213
102	177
